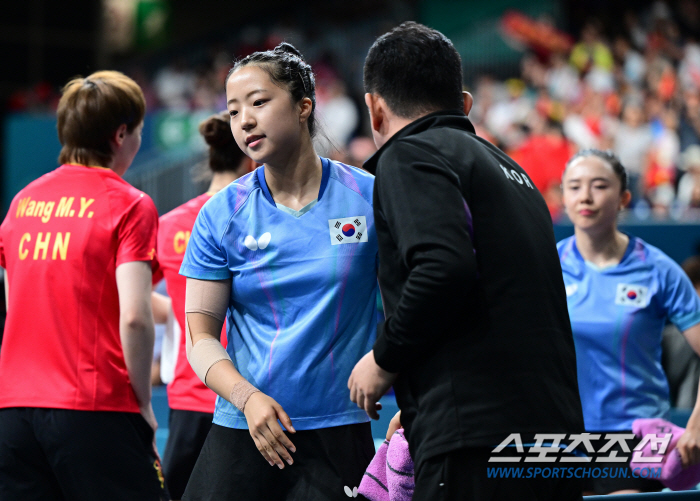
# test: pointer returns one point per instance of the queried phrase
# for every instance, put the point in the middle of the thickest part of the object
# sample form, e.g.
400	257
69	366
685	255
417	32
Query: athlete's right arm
219	373
137	331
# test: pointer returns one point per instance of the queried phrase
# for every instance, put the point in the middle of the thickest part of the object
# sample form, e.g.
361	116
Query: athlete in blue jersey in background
292	247
621	291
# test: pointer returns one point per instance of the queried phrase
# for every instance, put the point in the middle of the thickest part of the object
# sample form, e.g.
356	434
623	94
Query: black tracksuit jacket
476	318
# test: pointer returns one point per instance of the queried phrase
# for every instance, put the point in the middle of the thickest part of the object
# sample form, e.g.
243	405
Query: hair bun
216	130
289	49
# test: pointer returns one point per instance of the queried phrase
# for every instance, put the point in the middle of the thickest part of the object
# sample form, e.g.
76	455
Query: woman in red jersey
191	402
78	244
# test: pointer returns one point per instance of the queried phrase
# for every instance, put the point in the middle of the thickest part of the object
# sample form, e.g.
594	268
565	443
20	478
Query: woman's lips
253	141
586	212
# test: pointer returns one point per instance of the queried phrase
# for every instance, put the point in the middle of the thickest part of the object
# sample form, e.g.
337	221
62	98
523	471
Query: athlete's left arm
689	443
161	306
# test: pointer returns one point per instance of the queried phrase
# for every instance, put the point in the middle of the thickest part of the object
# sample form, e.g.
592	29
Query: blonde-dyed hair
90	111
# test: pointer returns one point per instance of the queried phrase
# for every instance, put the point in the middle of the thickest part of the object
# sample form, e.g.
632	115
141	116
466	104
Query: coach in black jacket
477	339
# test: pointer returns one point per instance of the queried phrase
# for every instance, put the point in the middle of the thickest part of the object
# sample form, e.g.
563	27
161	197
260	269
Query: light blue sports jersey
617	316
303	306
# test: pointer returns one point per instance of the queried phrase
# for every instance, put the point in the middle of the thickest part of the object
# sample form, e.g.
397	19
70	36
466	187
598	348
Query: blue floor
160	407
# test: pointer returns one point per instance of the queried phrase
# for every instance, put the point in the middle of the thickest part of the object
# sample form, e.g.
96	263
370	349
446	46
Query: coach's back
467	254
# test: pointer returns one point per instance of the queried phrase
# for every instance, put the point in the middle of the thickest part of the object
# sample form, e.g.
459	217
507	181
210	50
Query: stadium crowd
633	87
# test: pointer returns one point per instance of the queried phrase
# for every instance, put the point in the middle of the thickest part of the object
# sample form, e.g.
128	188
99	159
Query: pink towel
389	477
673	475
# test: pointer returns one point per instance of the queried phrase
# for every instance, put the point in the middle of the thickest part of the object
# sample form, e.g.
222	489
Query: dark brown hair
224	153
90	111
286	67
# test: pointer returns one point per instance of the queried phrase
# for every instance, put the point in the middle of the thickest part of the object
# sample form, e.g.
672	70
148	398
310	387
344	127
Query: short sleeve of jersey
680	299
138	232
204	257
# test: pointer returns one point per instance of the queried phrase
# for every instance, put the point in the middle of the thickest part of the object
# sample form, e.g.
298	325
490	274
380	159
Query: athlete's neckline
630	247
325	175
88	166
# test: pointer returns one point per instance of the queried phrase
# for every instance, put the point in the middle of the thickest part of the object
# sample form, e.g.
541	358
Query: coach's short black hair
416	70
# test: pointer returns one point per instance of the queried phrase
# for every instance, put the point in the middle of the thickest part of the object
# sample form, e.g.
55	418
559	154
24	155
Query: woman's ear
306	106
625	199
118	138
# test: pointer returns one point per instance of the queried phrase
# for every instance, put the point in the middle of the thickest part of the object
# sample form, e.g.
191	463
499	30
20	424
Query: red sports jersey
185	392
61	242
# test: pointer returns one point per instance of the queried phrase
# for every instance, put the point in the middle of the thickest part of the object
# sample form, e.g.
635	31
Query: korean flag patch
632	295
348	230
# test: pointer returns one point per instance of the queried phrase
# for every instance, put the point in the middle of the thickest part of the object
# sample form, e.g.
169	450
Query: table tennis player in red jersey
191	402
78	246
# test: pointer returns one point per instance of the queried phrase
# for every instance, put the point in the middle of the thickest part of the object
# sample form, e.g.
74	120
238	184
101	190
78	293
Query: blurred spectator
338	113
543	156
664	154
689	184
633	65
689	127
631	144
175	86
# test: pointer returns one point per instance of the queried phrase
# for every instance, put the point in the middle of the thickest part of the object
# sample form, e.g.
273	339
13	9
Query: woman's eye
600	186
233	113
259	102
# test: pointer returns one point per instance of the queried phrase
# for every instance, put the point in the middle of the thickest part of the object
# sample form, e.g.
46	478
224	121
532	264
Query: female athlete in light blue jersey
621	291
292	249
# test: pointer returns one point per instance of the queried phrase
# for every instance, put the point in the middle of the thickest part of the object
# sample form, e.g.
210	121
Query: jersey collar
630	247
325	175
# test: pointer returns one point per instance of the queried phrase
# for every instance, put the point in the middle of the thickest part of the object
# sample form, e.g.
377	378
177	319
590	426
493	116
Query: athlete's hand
368	383
689	446
394	425
262	413
150	417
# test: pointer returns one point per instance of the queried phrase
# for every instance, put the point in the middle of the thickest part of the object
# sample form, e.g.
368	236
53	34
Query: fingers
360	399
353	390
394	425
682	449
692	454
270	439
265	442
155	449
286	421
262	450
371	408
273	438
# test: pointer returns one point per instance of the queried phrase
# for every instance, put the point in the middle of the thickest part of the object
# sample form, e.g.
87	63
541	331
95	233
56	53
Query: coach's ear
468	102
376	111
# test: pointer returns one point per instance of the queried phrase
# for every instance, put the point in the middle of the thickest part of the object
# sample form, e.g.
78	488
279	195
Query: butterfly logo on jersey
260	243
348	230
632	295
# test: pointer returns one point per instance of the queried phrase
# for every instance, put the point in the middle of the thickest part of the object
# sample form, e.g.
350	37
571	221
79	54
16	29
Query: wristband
241	392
